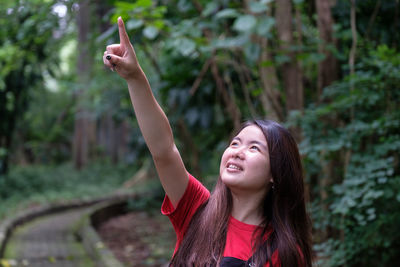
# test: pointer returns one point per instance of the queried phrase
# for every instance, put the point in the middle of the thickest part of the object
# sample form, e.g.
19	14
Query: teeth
231	166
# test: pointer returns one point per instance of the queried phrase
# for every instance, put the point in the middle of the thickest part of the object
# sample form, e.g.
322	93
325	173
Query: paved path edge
7	226
90	239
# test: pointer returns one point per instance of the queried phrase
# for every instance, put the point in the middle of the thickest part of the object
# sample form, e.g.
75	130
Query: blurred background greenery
327	69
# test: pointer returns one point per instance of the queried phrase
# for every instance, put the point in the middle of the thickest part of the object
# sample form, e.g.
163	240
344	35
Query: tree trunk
327	68
291	72
113	136
269	96
327	73
84	125
106	134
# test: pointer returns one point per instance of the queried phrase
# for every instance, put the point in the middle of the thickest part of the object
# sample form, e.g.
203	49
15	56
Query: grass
29	186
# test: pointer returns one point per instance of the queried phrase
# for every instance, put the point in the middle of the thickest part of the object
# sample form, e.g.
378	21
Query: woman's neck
247	209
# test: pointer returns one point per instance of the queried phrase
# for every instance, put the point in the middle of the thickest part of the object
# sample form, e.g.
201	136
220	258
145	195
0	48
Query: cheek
224	159
261	165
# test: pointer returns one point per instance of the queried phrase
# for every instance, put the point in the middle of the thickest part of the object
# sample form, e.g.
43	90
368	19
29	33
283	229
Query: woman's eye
255	148
234	144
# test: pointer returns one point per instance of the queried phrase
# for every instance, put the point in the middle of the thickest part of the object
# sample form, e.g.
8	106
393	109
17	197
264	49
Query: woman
256	214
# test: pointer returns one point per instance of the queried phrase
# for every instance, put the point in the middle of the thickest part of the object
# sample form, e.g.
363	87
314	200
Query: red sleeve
195	195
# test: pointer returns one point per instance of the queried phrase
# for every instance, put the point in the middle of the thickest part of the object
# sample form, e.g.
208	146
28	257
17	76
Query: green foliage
351	136
44	131
357	130
142	16
27	41
35	185
150	200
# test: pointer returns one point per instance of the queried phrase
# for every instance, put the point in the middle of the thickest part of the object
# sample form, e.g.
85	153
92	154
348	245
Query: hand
122	57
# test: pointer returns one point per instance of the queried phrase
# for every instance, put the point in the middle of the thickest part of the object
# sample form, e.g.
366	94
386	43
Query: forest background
327	69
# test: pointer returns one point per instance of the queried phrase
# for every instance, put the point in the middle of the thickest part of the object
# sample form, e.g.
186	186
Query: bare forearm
153	122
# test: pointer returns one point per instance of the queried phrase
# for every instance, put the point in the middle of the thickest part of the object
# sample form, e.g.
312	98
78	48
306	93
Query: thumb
115	60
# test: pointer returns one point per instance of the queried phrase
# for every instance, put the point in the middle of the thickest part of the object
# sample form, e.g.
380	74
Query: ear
272	183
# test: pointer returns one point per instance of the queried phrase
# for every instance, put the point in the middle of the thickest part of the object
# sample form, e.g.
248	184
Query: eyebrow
253	142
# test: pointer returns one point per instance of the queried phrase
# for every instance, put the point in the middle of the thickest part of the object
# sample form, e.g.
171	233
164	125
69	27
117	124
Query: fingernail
108	57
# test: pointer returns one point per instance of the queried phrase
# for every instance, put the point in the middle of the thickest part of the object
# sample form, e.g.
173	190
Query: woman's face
245	165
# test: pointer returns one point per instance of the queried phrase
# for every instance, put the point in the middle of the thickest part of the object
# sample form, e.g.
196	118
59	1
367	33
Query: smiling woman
245	221
245	168
257	209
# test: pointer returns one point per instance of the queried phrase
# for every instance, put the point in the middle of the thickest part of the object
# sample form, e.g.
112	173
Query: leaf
186	46
5	263
192	115
252	51
184	5
231	42
265	25
105	35
266	1
267	63
150	32
210	8
257	7
245	23
2	85
256	92
124	5
143	3
281	59
134	24
227	13
159	24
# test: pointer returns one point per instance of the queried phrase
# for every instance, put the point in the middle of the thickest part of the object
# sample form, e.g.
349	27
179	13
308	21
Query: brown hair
283	210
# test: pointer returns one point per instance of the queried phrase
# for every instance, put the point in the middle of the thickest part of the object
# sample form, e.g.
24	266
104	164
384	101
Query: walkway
48	241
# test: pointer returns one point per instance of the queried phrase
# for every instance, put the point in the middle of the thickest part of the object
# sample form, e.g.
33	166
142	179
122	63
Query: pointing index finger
123	36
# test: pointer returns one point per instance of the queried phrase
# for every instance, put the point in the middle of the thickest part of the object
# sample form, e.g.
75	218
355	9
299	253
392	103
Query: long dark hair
283	210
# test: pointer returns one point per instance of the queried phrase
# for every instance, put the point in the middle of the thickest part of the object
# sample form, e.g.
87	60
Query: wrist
137	76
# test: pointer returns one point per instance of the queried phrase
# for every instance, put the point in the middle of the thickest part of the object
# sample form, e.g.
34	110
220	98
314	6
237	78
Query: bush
357	132
32	185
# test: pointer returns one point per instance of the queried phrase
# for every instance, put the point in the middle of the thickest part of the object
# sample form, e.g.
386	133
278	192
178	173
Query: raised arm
153	123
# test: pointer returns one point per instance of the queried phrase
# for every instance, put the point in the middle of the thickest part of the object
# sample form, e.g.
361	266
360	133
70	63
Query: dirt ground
139	238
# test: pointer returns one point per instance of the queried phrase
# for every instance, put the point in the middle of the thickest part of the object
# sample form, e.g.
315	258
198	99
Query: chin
224	179
229	181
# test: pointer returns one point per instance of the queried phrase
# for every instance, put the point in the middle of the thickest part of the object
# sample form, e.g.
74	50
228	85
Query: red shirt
239	234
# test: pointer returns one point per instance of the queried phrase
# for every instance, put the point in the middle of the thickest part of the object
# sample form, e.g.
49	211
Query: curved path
49	241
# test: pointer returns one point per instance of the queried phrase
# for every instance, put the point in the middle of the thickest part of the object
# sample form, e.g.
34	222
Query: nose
238	153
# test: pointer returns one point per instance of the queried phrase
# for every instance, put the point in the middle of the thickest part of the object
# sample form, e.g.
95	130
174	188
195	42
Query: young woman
255	216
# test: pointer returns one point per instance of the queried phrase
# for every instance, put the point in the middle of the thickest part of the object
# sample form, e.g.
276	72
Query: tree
27	44
327	68
362	209
291	72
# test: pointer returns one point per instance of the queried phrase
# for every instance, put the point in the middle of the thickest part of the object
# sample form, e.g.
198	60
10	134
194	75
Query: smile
234	167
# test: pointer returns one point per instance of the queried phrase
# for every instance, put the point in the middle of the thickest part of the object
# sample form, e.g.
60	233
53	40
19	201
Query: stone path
48	241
